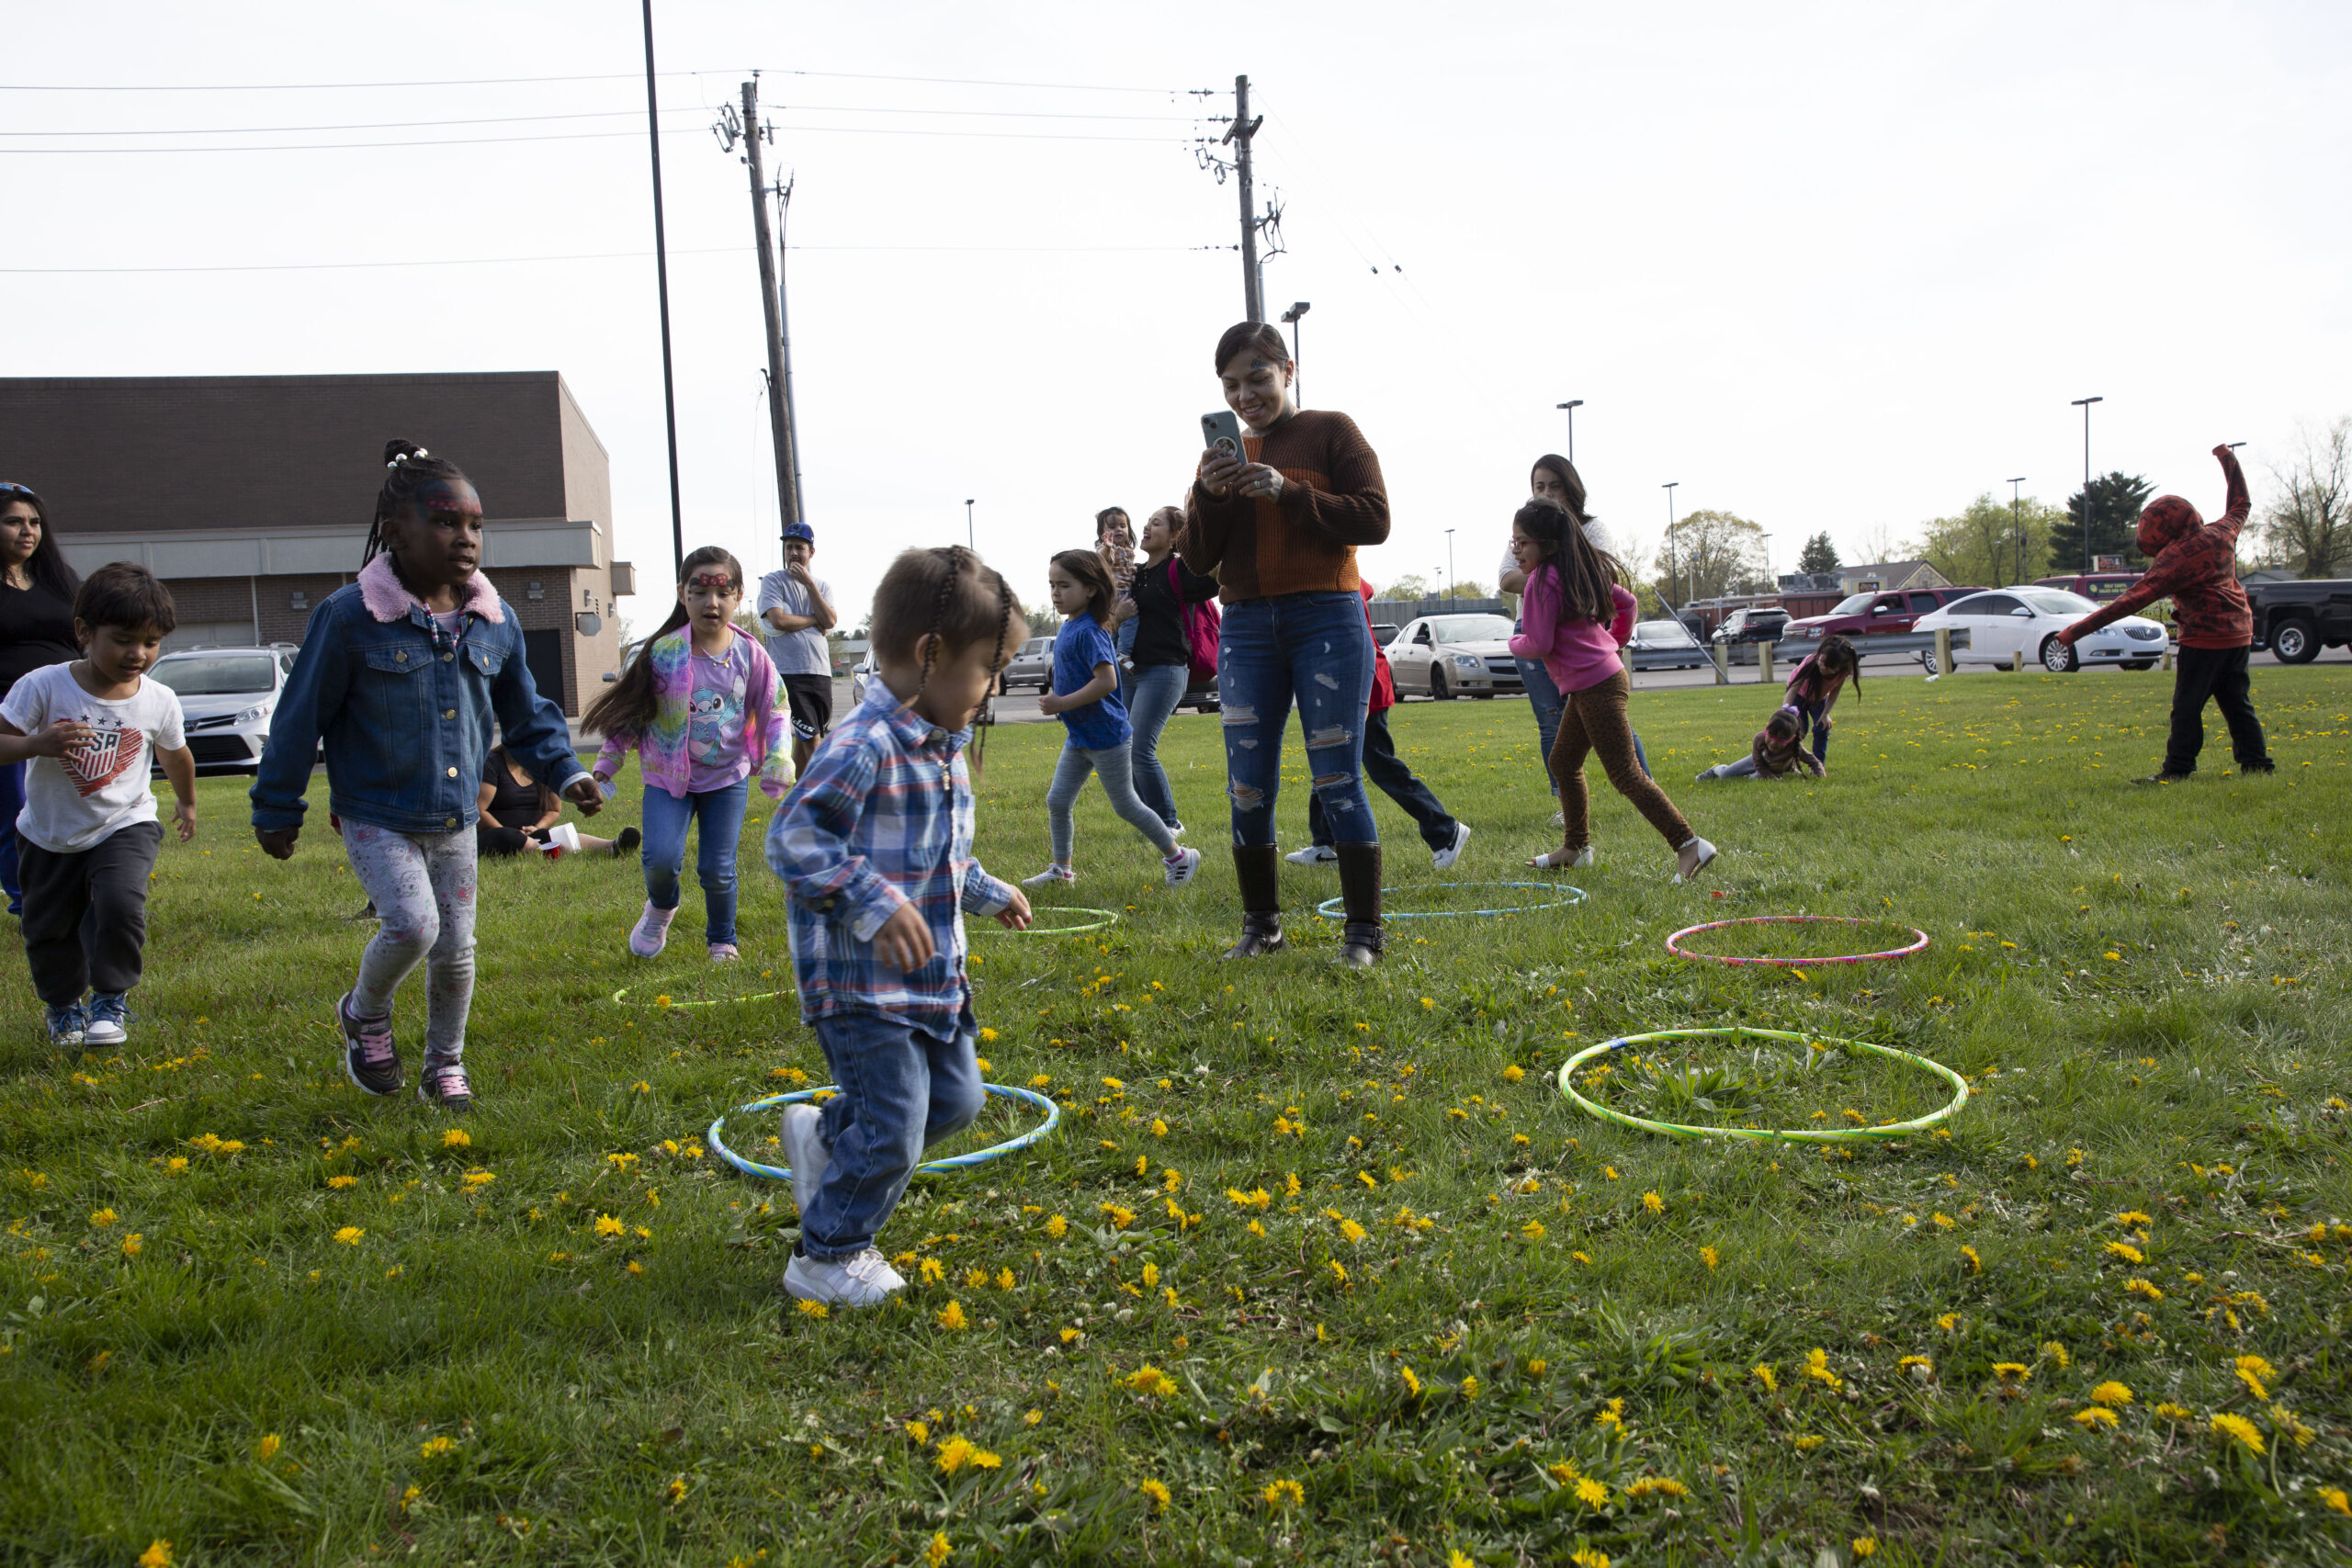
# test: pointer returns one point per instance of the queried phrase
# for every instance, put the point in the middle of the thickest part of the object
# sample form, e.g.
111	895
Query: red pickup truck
1864	615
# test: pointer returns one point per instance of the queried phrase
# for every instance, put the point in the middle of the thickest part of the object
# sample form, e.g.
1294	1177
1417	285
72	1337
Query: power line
517	81
600	113
577	136
605	255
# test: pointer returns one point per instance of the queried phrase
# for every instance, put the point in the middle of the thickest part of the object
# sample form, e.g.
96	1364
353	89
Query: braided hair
952	597
407	467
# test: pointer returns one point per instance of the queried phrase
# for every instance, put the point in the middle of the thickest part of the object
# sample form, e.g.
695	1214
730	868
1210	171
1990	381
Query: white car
2009	621
226	695
1440	656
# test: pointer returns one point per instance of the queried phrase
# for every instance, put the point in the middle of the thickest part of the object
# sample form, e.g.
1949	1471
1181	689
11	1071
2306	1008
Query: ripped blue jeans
1312	648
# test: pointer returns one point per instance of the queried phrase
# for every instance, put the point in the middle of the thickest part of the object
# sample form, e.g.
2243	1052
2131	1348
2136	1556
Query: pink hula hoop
1673	942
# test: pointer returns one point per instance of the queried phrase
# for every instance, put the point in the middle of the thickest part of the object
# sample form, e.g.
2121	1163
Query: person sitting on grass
1814	686
2195	562
1777	752
518	812
875	849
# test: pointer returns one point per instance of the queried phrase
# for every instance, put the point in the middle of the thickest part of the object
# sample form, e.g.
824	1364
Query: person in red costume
2195	562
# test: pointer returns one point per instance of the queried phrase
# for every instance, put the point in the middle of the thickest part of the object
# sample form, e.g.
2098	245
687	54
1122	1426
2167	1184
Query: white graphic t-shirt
100	786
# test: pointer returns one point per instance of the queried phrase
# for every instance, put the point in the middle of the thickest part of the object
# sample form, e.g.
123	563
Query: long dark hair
1835	655
406	468
1586	573
47	564
1093	576
1262	338
1570	480
631	703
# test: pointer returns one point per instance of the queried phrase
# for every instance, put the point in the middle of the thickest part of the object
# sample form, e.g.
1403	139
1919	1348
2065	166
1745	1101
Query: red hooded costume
2195	563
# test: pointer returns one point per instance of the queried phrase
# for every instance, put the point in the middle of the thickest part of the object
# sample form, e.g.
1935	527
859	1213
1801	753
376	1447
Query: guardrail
1790	649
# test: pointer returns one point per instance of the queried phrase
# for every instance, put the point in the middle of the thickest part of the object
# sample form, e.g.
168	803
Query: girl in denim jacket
704	711
400	676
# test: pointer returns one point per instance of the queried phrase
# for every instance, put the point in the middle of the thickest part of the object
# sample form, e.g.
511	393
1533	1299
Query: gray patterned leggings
422	885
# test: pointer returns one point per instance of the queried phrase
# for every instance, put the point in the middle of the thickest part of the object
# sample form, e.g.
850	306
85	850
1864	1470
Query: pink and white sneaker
723	952
652	933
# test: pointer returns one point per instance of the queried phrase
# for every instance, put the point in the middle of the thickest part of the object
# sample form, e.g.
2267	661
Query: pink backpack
1204	623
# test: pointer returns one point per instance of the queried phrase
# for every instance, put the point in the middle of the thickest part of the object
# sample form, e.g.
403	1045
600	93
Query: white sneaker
1053	876
863	1281
1175	829
802	1128
1693	858
652	932
1443	859
1181	866
1313	854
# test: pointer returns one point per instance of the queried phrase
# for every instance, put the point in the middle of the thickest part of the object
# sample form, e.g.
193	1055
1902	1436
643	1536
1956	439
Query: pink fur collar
387	600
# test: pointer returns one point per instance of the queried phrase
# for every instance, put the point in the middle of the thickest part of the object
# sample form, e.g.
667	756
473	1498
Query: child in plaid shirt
875	849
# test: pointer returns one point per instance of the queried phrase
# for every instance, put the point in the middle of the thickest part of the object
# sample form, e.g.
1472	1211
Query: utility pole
661	279
1452	583
2085	404
2017	526
1239	134
780	424
972	535
1673	568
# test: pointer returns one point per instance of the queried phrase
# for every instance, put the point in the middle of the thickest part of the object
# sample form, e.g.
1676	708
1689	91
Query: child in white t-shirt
88	827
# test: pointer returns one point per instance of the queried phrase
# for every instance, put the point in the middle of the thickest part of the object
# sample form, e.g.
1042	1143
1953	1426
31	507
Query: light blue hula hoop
932	1167
620	999
1330	910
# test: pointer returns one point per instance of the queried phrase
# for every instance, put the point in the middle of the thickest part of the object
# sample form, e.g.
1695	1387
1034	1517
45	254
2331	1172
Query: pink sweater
1579	653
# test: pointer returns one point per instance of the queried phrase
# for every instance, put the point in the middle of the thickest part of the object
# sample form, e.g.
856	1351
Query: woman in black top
37	591
518	813
1164	588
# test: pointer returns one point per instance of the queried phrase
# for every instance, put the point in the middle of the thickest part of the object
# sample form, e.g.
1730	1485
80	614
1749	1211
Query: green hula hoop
620	999
1331	908
1110	916
953	1162
1759	1135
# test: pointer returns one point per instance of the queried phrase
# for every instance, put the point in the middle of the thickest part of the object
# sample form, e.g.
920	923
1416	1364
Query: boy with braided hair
2195	562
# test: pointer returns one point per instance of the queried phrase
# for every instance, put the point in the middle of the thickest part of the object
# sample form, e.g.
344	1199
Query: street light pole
1451	582
972	540
1297	376
1571	406
2017	526
2085	404
1673	568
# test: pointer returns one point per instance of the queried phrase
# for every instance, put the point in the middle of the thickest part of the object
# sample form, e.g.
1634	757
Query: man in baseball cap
797	608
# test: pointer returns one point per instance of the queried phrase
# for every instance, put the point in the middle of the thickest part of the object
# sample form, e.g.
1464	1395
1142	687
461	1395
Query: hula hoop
953	1162
1110	916
1329	909
1673	942
621	995
1758	1134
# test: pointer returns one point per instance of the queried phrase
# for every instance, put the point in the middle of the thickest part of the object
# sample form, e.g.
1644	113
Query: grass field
1318	1267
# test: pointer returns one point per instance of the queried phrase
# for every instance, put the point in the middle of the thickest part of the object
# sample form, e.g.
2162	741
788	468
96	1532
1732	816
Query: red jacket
1384	684
2195	562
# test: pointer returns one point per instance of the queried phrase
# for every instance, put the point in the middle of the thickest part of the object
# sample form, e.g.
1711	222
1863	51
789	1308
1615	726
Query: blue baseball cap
800	531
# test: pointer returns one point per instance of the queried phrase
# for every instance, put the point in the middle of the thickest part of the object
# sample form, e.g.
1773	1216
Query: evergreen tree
2116	500
1819	554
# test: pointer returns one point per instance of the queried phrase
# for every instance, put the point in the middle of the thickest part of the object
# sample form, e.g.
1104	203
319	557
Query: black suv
1754	625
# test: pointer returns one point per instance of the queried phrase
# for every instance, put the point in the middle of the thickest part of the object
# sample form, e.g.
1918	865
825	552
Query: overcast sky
1835	267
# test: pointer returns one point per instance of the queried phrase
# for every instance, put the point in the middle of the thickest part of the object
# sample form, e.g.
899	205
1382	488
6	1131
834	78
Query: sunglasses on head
25	490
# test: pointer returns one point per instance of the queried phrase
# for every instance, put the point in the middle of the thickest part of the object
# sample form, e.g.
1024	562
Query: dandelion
455	1138
812	1309
2096	1415
434	1448
2111	1393
1283	1494
1864	1545
2056	1352
157	1555
1592	1493
1816	1367
1120	1217
2254	1372
984	1460
1763	1374
951	1318
133	1245
349	1236
608	1225
954	1455
1806	1442
102	1218
2239	1430
341	1183
1513	1073
1583	1257
2126	1251
2141	1288
1710	1257
1157	1492
1653	1203
2006	1371
2172	1412
1412	1382
2333	1496
938	1551
1057	1227
1339	1272
1657	1486
2285	1422
477	1180
1533	1230
931	1271
2133	1217
1150	1380
1470	1388
266	1449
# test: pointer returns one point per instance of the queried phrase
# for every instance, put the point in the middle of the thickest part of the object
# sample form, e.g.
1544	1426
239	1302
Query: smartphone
1222	431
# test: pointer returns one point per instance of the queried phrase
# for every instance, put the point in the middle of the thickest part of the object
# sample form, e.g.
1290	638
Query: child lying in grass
1777	752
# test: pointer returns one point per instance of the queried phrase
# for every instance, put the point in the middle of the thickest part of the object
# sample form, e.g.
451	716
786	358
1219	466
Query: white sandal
1552	861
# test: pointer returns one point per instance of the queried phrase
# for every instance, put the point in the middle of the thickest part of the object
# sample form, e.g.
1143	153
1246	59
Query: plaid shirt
883	818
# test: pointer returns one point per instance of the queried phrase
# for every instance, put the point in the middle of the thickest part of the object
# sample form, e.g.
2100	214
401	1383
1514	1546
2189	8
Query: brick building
250	495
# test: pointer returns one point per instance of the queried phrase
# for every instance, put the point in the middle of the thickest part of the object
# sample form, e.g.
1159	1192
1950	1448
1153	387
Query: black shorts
812	703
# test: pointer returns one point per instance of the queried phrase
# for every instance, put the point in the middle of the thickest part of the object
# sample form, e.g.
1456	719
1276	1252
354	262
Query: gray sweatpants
1118	785
85	913
422	885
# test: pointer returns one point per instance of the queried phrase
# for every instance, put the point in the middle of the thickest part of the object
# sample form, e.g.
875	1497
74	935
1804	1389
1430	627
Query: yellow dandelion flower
1150	1380
1351	1229
939	1551
1947	1321
1157	1492
954	1455
349	1236
1412	1382
1920	1363
1864	1545
1032	1417
2111	1393
1513	1073
1592	1493
1763	1374
102	1218
1283	1494
2126	1251
2095	1415
983	1459
1057	1227
1564	1473
2172	1412
157	1555
1710	1257
434	1448
812	1309
341	1183
1589	1556
2056	1353
1121	1217
2335	1497
2142	1288
608	1224
1470	1388
1005	1280
1457	1558
2239	1430
133	1244
2007	1371
1653	1203
1816	1367
1533	1230
266	1449
951	1318
1583	1257
931	1271
455	1138
1806	1442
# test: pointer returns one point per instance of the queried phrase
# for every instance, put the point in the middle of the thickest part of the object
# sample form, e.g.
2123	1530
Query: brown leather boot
1362	942
1258	867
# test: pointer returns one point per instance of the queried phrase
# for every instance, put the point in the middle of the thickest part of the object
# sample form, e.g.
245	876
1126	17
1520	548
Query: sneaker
723	952
1175	829
369	1054
2163	779
1181	866
2265	766
630	838
1587	855
1559	819
443	1084
68	1025
1313	854
863	1281
107	1016
1052	875
802	1129
1693	858
652	932
1443	859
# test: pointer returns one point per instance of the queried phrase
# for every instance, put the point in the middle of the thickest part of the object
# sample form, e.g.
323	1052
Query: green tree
2309	527
1708	554
1044	621
2115	500
1473	589
1408	586
1985	545
1818	555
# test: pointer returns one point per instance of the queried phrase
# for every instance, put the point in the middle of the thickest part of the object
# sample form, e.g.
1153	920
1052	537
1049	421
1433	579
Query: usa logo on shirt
104	758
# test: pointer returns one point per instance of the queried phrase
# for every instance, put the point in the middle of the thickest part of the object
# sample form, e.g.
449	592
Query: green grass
477	1375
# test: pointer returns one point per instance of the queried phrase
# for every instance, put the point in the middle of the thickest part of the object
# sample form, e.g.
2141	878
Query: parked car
1442	655
1753	623
2027	620
226	695
1033	666
1864	615
2295	620
2097	586
1384	632
1665	645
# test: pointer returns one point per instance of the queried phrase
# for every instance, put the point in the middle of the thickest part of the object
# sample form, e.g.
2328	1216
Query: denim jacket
405	710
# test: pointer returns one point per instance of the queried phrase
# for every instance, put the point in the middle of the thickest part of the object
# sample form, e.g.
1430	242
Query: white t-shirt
100	787
803	652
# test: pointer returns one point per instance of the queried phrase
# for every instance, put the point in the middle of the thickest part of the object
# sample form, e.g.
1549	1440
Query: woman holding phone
1279	524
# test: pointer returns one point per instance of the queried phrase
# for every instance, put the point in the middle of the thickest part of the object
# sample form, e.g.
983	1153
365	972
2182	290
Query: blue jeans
1313	649
719	814
1544	696
12	803
1811	717
902	1089
1154	690
1399	782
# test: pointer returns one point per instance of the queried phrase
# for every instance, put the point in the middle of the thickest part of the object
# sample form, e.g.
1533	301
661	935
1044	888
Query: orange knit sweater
1306	540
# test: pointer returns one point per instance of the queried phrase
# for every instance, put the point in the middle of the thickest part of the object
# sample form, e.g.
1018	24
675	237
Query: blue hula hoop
932	1167
1329	909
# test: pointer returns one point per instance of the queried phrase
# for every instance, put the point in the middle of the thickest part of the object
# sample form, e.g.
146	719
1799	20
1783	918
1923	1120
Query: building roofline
390	379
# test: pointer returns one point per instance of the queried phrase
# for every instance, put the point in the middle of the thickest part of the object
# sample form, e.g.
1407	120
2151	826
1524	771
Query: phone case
1222	431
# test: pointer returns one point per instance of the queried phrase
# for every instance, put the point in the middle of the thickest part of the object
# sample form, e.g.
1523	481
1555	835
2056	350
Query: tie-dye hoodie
661	745
2193	562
